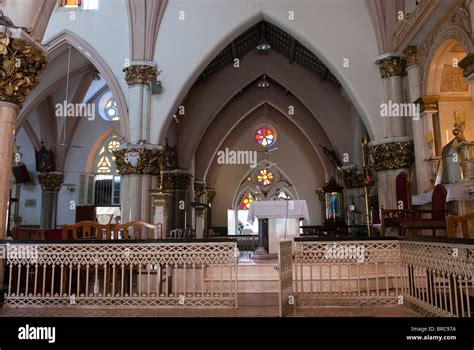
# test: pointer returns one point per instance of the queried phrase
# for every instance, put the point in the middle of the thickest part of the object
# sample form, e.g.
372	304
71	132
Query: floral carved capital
50	182
21	63
411	54
393	155
140	74
138	159
352	178
393	66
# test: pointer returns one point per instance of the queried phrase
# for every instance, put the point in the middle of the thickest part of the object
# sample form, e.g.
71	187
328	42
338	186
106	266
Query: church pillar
137	164
178	181
394	153
200	212
50	185
139	160
420	124
211	193
21	61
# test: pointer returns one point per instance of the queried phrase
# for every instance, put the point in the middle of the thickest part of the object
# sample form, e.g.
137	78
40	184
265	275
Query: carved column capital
411	54
21	62
392	154
175	180
320	193
393	66
352	178
199	188
140	74
211	193
51	182
144	159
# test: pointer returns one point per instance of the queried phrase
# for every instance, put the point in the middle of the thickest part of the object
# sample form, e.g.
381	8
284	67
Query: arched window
108	108
265	137
107	180
246	199
264	177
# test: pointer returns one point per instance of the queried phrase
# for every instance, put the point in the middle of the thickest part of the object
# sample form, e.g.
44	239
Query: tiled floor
250	305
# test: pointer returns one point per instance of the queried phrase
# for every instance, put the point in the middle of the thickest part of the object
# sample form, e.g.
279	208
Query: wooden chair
463	220
86	230
121	231
436	220
393	217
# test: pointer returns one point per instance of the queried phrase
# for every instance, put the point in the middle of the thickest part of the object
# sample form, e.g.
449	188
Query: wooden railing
152	273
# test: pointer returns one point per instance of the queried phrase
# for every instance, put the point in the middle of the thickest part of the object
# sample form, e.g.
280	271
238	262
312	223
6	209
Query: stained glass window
264	177
108	108
246	200
105	159
265	137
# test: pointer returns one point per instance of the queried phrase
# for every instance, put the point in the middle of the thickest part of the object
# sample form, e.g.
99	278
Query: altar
283	220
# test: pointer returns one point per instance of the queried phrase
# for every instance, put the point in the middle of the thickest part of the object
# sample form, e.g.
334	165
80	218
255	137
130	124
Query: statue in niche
450	169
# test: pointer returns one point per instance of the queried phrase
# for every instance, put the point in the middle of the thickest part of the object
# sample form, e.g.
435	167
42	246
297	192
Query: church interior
238	158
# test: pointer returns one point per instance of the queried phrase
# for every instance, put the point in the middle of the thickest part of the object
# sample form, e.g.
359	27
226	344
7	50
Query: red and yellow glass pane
264	177
70	3
265	137
246	200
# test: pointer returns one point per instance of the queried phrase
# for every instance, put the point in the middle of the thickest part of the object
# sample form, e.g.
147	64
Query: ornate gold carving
199	189
175	181
210	194
393	155
50	182
138	159
140	74
392	67
21	62
428	103
351	178
452	79
411	54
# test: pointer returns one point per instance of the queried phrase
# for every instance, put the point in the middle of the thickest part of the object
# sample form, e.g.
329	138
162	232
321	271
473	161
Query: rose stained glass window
246	200
265	137
264	177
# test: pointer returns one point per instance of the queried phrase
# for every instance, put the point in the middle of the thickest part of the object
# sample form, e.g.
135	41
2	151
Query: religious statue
450	167
44	159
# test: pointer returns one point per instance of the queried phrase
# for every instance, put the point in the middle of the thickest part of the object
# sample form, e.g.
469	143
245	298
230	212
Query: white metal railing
347	272
438	277
188	274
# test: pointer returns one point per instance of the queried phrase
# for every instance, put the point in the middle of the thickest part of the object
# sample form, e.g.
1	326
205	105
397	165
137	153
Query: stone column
211	193
138	165
394	153
139	157
200	196
21	61
8	112
179	180
50	186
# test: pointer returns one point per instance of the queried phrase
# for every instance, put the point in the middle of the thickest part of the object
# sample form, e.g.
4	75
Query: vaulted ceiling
279	41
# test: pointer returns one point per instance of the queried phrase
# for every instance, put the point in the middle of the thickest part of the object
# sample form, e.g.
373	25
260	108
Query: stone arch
68	37
447	36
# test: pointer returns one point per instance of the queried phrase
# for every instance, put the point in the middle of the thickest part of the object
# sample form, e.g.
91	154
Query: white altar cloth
455	192
294	209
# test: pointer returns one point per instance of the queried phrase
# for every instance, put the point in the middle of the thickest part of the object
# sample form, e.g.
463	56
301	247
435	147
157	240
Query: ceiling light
263	46
263	82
